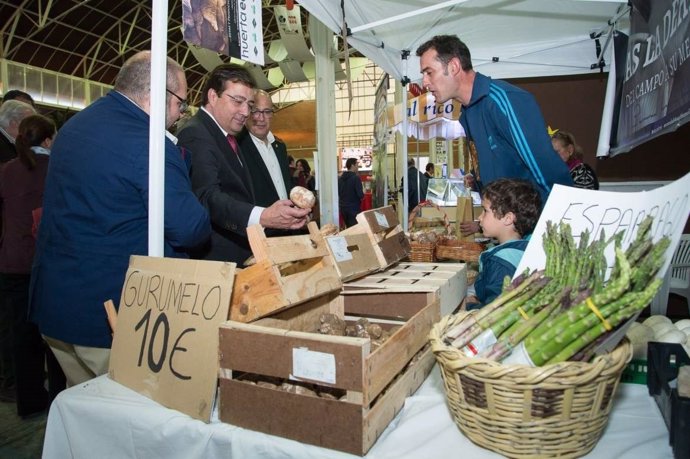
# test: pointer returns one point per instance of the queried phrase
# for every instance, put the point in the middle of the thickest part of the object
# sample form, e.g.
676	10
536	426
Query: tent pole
604	144
159	53
406	185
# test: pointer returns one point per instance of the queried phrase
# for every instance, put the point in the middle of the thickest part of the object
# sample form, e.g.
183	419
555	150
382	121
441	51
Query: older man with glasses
266	155
221	175
95	215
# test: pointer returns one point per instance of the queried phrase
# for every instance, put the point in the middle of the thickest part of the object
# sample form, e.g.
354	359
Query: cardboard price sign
166	342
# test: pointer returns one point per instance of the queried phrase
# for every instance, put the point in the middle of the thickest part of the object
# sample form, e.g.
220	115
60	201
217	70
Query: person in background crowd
95	214
220	174
16	94
417	185
291	166
350	192
504	121
302	176
21	193
429	171
12	112
266	155
510	210
571	153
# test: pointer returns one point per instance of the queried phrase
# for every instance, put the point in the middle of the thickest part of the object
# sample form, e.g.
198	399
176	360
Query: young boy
511	208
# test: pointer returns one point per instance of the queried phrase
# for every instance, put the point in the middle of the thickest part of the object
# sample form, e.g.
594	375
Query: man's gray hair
14	110
134	78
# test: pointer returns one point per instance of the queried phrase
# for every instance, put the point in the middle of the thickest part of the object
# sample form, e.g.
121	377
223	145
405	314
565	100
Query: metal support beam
327	159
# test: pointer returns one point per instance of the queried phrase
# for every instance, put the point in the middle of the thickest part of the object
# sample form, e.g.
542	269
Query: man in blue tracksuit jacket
504	121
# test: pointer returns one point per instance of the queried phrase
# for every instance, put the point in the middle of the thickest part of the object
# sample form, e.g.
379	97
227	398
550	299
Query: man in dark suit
266	155
220	174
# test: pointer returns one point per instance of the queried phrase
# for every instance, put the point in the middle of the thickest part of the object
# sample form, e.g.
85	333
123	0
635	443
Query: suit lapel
244	172
237	168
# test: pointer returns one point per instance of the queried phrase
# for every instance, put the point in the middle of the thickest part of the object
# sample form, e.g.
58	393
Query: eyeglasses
266	112
240	101
184	105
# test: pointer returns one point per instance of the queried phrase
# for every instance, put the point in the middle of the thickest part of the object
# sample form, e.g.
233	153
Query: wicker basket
452	249
422	251
519	411
426	251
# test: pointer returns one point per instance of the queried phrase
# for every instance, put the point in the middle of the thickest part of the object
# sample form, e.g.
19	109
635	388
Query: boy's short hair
517	196
350	162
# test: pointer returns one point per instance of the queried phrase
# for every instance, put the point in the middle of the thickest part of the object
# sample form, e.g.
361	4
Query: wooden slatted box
353	255
447	281
289	270
387	237
369	385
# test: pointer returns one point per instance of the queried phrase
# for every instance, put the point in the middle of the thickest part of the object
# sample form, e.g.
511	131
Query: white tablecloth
104	419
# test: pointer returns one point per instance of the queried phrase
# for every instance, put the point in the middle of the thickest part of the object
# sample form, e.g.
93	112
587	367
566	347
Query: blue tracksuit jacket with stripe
510	134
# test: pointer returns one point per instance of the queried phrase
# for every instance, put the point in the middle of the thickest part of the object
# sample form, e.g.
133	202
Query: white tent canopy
507	38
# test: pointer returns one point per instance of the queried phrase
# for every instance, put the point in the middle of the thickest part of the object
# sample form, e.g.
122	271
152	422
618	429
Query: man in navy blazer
266	155
220	174
95	215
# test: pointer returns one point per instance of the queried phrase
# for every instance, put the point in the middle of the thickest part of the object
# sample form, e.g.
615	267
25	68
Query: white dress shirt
271	162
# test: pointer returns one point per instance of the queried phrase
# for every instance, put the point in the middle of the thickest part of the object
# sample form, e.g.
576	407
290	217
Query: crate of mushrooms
319	373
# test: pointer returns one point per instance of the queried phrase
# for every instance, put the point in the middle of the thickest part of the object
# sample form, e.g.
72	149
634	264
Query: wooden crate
353	255
371	385
447	281
385	232
288	271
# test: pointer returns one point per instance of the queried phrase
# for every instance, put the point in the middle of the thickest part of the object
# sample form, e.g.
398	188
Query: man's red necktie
235	148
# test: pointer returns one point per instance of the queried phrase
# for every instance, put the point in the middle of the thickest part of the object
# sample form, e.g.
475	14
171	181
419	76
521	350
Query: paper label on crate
313	365
338	245
519	356
381	219
485	340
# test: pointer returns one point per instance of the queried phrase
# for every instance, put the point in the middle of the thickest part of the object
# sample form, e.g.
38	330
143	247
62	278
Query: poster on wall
654	74
225	26
363	155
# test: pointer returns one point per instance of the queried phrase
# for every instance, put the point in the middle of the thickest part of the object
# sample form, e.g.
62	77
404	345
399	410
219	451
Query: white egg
661	328
685	328
651	320
672	336
681	324
639	333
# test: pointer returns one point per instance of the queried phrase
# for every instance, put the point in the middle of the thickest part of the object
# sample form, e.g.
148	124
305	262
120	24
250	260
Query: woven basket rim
520	411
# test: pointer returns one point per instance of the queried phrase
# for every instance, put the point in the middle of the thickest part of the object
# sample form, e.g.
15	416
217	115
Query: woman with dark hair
570	152
302	175
21	195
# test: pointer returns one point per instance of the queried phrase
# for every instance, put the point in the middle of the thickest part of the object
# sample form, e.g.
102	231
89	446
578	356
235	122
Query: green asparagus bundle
551	315
508	319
